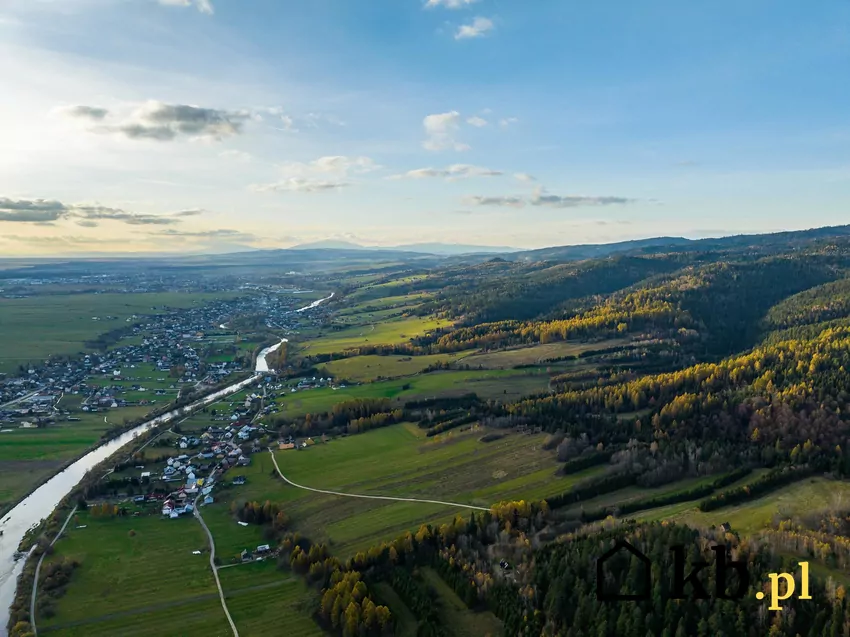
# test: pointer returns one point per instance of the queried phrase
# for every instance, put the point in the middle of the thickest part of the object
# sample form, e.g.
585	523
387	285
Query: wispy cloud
165	122
324	174
479	27
221	233
204	6
524	177
542	198
478	122
85	112
507	121
44	210
297	184
449	4
455	171
505	200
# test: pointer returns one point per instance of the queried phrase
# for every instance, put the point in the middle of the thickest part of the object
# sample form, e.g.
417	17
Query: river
41	502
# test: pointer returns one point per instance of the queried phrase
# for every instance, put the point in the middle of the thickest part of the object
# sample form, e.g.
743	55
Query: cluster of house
291	442
219	449
165	340
262	551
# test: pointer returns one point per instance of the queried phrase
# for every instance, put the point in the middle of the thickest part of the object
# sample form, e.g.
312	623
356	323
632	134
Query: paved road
198	515
38	569
373	497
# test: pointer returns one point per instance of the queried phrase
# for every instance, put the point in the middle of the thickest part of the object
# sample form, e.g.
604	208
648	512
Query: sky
216	125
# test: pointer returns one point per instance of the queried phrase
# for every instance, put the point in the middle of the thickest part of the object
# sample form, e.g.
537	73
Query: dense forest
728	366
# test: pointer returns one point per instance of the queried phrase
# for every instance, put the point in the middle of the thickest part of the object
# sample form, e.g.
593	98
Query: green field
400	303
36	327
380	333
398	461
263	600
147	579
502	384
369	368
807	496
537	353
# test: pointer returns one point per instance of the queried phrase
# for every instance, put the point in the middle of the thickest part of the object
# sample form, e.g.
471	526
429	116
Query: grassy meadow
365	369
383	332
806	496
535	354
399	461
137	572
502	384
262	600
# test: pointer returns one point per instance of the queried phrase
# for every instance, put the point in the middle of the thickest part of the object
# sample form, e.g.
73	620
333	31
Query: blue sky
186	125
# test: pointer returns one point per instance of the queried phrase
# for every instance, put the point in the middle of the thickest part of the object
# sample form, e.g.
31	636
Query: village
157	359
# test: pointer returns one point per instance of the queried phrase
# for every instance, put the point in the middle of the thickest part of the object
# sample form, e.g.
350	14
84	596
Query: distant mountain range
680	244
444	249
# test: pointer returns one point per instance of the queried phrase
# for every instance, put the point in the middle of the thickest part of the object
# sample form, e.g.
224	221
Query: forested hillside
688	382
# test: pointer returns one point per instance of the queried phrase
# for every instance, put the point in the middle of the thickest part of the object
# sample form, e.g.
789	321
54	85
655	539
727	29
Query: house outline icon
602	596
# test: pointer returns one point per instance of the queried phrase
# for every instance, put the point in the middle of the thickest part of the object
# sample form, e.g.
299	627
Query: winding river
41	502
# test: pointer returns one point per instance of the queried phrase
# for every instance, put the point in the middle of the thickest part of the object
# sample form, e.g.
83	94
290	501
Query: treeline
585	461
261	513
351	416
771	481
592	488
652	502
450	424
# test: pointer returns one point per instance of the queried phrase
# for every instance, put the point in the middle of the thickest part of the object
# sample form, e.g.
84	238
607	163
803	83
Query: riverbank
47	532
117	431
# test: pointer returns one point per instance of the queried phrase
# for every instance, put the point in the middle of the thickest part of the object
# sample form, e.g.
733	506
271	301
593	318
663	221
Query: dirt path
198	515
373	497
38	569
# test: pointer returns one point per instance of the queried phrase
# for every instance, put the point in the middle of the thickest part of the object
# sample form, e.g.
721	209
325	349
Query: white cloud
476	121
449	4
476	29
455	171
339	164
507	121
320	175
524	177
477	200
440	129
298	184
204	6
288	123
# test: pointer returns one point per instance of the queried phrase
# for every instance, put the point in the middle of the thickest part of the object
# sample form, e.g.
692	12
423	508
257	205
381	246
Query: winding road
372	497
198	515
